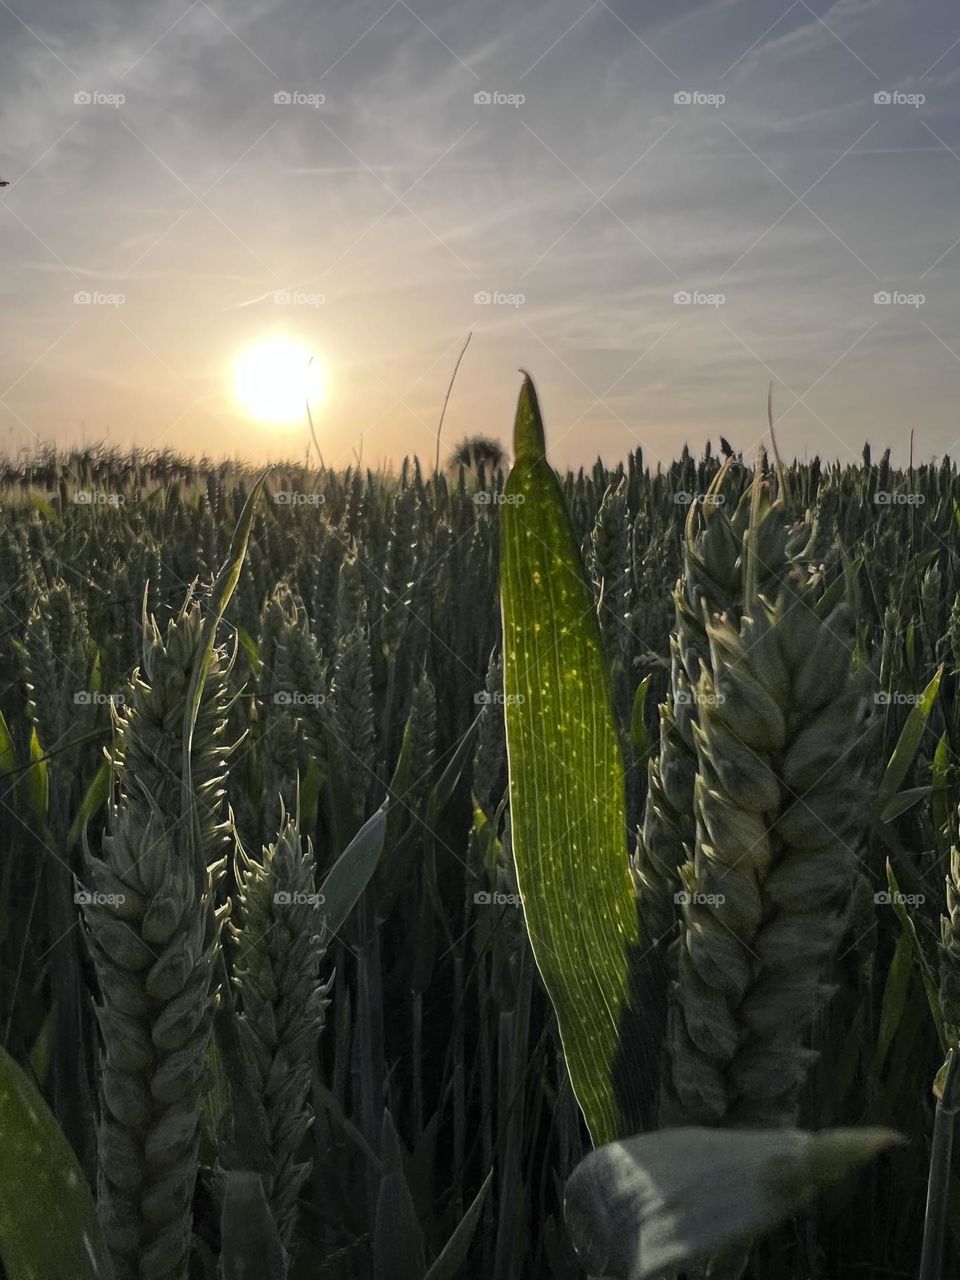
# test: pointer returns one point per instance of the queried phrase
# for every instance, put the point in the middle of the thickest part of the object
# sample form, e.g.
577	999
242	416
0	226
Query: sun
274	378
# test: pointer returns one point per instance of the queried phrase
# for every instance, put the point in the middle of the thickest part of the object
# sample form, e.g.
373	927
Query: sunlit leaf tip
529	444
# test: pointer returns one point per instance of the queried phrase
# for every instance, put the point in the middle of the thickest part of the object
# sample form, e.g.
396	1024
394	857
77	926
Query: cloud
399	198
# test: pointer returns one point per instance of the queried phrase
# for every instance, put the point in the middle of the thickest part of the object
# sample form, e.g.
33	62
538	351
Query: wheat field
265	948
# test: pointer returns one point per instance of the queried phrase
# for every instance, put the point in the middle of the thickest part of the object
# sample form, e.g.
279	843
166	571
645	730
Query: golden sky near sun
655	223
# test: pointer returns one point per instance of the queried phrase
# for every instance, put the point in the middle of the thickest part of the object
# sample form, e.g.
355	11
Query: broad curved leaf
639	1208
48	1223
566	778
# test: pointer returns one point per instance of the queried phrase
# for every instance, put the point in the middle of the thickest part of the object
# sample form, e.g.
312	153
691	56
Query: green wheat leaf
48	1224
566	778
639	1208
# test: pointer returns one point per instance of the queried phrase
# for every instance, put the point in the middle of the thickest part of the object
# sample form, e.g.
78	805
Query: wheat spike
154	929
278	942
779	804
715	547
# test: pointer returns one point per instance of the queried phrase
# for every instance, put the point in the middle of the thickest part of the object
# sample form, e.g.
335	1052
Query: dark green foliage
372	601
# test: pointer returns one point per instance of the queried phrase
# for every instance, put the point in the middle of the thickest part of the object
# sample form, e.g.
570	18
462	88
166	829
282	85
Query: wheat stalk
779	804
278	940
950	955
154	932
715	558
352	680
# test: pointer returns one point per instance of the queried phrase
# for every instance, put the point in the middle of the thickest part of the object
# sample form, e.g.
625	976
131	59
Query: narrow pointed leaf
930	984
640	738
449	1265
36	781
398	1241
350	874
903	801
251	1247
93	800
908	742
8	754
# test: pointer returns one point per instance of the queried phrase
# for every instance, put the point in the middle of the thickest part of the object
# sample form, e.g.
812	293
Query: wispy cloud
340	151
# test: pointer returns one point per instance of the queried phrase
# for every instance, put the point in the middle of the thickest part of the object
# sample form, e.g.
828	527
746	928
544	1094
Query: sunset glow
275	378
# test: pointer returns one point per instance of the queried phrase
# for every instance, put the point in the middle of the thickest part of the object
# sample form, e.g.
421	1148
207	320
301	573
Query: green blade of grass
642	1207
908	742
36	781
640	738
930	984
252	1249
398	1241
450	1263
94	798
48	1223
351	873
566	779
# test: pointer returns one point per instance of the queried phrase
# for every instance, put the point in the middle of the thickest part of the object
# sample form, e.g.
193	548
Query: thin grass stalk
938	1185
416	1063
459	1086
485	1010
513	1052
368	1040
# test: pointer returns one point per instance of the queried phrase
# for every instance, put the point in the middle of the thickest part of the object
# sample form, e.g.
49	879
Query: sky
655	208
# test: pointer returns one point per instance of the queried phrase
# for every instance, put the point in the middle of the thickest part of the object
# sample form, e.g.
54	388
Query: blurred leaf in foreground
640	1207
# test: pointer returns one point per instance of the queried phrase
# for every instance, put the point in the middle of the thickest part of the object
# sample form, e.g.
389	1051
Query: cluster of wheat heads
755	817
155	921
